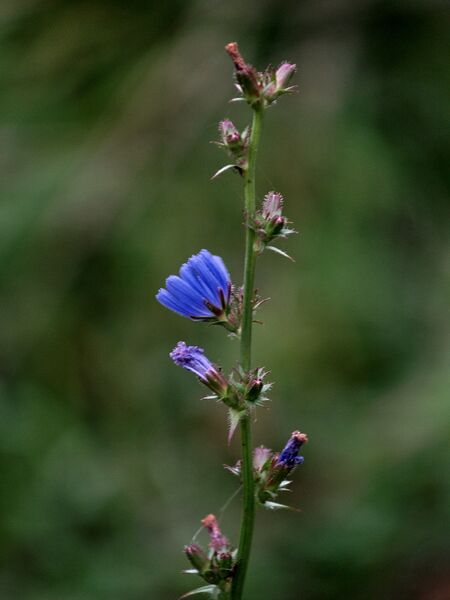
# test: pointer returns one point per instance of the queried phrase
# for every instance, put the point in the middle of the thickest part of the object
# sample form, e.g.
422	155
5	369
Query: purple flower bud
218	542
269	222
230	136
193	359
283	75
289	457
196	557
260	457
272	206
236	143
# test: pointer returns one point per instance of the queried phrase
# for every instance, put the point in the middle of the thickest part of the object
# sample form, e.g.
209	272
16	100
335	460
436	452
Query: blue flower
289	457
193	359
201	291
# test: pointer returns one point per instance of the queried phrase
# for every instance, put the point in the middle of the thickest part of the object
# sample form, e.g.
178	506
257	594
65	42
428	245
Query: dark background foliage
108	457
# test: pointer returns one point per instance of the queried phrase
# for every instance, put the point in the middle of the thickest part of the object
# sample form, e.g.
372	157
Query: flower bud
260	457
277	225
231	138
283	75
196	557
272	206
269	222
236	143
254	389
225	564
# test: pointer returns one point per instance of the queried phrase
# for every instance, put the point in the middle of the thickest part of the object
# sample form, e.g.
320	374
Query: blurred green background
108	457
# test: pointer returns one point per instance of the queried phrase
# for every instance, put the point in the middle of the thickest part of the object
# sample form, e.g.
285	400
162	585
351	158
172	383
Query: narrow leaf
222	170
206	589
190	572
233	470
276	506
278	251
284	484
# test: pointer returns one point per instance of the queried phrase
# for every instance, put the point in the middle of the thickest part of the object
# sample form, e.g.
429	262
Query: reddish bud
277	225
254	389
196	556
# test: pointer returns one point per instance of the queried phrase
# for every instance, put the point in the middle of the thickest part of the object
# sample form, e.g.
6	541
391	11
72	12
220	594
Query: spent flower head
248	79
216	566
217	541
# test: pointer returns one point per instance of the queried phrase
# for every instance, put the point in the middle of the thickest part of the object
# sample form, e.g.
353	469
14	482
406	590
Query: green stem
248	515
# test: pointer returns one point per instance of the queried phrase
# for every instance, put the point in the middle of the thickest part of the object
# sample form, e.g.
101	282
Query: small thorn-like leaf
276	506
287	232
212	590
222	170
190	572
284	483
233	470
278	251
260	303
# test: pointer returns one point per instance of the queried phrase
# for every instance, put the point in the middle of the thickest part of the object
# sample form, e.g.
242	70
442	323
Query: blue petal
186	295
169	302
199	365
182	307
202	266
221	272
188	273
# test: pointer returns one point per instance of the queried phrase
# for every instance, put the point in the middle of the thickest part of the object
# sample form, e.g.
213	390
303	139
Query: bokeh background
108	457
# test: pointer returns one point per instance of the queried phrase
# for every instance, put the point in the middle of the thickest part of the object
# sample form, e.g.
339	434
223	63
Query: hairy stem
248	515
